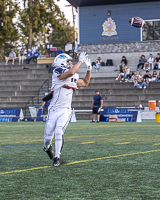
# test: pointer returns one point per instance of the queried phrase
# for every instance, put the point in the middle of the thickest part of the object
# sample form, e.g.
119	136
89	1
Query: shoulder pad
59	70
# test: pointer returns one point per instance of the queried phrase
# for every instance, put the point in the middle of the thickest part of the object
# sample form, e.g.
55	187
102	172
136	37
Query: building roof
81	3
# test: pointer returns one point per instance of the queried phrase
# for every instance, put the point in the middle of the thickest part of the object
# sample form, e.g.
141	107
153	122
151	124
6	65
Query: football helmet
62	60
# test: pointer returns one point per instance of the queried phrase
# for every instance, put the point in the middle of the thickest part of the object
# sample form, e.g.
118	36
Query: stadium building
95	17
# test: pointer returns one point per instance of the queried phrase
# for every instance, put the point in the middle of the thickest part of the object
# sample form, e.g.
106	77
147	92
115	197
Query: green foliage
46	21
8	31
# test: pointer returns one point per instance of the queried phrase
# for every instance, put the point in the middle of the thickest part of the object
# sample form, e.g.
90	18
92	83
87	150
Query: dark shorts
45	111
95	110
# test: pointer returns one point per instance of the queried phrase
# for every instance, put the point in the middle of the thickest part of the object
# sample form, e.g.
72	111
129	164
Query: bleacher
115	94
18	85
21	87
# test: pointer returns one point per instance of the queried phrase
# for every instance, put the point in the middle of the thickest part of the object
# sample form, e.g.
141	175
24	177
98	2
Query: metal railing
34	101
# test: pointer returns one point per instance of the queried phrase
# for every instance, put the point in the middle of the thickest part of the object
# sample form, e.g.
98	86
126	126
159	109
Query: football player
64	81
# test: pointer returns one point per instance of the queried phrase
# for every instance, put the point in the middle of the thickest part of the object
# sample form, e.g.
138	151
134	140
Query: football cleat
49	152
56	162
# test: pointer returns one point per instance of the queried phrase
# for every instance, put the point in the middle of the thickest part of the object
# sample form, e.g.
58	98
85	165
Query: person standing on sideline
45	106
64	81
97	105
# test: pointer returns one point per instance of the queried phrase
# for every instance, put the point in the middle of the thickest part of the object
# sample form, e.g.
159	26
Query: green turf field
110	161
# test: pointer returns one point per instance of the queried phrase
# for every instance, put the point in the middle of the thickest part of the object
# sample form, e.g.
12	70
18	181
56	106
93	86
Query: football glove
99	110
82	56
88	64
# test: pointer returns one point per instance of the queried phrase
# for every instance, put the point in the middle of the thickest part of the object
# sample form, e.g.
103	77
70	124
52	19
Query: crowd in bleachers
140	80
23	55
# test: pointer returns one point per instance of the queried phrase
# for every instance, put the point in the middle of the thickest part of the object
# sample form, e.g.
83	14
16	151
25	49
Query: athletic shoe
12	63
144	87
56	162
97	121
92	121
49	152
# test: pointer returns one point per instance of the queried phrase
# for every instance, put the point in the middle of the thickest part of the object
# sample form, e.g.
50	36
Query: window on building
151	31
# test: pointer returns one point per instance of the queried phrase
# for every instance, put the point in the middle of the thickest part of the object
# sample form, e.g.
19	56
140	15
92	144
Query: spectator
150	62
45	106
36	55
29	56
130	76
12	57
136	84
147	76
140	78
142	60
96	106
127	73
97	64
121	74
68	47
157	62
34	49
48	45
145	83
21	55
154	76
76	49
123	63
158	78
134	76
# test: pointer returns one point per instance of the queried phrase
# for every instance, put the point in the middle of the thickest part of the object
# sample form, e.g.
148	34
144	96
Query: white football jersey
62	96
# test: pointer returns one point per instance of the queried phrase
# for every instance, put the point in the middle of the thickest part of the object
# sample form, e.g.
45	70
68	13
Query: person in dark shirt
147	75
96	106
157	61
45	106
122	64
142	61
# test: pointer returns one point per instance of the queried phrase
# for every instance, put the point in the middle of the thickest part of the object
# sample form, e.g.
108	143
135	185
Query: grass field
110	161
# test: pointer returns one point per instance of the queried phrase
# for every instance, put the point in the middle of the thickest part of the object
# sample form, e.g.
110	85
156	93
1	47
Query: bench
45	60
8	57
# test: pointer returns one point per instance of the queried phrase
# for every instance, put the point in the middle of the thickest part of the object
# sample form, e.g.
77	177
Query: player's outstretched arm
74	69
85	82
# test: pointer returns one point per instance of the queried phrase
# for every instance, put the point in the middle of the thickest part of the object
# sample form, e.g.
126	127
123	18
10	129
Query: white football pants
57	122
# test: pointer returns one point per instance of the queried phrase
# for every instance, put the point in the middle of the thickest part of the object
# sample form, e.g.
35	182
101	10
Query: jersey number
73	80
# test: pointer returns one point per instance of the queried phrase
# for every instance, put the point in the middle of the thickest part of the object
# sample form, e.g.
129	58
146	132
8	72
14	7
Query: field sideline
112	161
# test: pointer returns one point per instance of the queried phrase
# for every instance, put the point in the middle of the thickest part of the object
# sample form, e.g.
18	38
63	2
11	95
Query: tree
42	18
8	30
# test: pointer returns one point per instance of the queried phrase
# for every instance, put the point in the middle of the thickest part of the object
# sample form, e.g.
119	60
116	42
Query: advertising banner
119	114
39	115
10	114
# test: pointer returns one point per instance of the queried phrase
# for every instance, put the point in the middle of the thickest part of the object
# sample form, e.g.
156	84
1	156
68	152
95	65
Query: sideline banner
119	114
10	114
39	117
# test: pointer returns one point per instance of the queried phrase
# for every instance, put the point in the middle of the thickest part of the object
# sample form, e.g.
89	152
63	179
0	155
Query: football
137	22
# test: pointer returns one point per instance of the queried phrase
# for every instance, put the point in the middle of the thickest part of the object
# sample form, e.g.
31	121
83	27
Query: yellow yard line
157	144
123	143
88	142
83	161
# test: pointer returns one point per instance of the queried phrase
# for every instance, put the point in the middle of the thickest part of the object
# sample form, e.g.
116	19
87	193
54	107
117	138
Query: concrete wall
132	51
91	20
